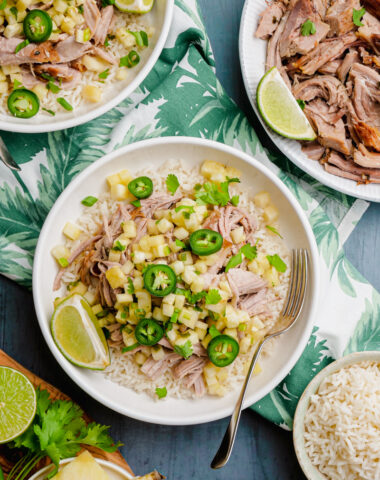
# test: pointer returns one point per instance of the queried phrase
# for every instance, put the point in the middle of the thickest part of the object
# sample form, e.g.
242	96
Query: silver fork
6	157
289	315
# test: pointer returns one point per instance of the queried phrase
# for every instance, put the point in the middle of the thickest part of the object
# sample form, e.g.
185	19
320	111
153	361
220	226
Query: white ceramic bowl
252	53
161	18
113	471
294	226
311	472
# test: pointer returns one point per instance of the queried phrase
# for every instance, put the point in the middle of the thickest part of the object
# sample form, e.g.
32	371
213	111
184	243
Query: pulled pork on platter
328	53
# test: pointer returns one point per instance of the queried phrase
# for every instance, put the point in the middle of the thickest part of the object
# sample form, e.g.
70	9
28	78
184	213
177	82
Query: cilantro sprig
249	251
357	16
277	262
216	194
161	392
212	297
185	350
57	431
172	183
308	28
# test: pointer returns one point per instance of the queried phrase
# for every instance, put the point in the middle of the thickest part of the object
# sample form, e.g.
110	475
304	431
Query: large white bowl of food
162	266
64	63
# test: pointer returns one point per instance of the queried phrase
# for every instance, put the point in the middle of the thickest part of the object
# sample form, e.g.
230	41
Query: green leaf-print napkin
182	96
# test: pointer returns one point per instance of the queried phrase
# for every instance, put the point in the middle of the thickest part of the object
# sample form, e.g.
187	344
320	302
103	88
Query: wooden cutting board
55	394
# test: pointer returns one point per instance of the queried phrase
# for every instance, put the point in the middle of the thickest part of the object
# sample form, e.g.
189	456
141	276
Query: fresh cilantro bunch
58	431
216	194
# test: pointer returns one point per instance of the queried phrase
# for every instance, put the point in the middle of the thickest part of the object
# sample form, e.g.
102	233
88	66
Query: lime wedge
76	332
18	404
280	109
134	6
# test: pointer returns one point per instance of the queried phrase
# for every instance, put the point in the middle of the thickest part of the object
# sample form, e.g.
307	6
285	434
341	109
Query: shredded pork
335	70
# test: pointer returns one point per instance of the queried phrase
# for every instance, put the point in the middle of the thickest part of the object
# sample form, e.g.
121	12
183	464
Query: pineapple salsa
180	279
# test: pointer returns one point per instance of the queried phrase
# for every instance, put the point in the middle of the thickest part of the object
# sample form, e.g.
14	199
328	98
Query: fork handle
224	452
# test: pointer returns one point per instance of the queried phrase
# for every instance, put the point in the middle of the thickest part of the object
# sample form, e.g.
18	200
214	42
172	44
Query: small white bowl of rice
337	422
126	386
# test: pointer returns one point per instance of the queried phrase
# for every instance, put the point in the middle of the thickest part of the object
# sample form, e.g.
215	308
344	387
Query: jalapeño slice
37	26
160	280
205	241
141	187
23	103
222	350
148	332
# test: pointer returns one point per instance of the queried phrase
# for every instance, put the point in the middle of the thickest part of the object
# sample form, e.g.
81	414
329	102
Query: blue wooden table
262	450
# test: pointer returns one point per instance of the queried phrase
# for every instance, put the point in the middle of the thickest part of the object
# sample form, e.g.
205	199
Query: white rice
74	96
342	424
123	369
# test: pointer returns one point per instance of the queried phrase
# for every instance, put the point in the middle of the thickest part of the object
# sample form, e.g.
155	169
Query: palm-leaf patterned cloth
182	96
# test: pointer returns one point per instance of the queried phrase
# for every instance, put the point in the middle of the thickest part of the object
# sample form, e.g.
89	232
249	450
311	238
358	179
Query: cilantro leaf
118	246
213	297
213	331
235	200
214	194
234	261
185	350
249	251
191	298
277	263
274	230
308	28
357	15
172	183
301	103
131	287
161	392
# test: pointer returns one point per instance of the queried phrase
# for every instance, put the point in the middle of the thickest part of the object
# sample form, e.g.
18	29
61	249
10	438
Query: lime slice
134	6
18	404
77	334
280	109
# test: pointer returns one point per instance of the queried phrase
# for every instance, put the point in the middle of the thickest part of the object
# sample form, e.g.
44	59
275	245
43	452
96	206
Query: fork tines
297	287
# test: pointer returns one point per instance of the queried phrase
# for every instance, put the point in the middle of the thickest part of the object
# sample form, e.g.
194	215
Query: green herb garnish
357	15
301	103
274	230
213	297
308	28
22	45
214	194
161	392
104	74
63	262
185	350
277	263
131	287
213	331
172	183
136	203
65	104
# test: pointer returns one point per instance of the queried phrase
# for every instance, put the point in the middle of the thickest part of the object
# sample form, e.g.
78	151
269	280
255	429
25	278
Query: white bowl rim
106	106
348	187
310	471
101	461
313	258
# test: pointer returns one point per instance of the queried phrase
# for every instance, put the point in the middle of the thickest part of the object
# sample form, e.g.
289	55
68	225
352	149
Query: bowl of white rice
98	79
337	422
121	386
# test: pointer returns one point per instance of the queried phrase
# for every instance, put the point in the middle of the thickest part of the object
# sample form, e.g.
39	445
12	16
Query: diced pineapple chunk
179	301
119	192
97	308
158	315
144	300
167	309
121	74
91	297
261	199
68	25
156	241
23	4
213	170
139	256
232	318
238	235
124	298
270	214
200	266
188	275
158	353
164	225
92	93
127	267
232	332
197	284
115	277
40	90
169	299
140	358
8	69
244	344
114	256
186	258
72	231
178	267
113	179
4	87
129	229
125	177
11	31
126	38
180	233
188	317
60	251
78	287
161	251
217	308
138	283
60	5
2	75
271	275
94	64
